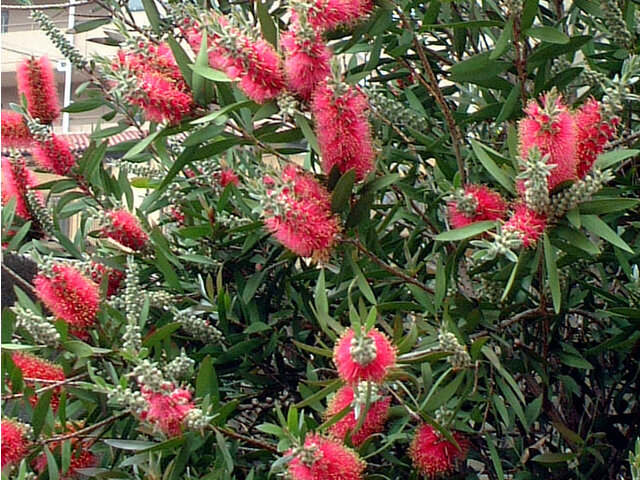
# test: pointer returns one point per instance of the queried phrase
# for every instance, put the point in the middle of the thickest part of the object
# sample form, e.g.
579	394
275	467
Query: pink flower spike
367	357
373	423
486	205
529	224
17	179
307	63
15	132
304	222
434	455
70	296
593	133
54	155
38	369
15	444
324	458
37	82
227	176
166	411
125	229
551	128
343	130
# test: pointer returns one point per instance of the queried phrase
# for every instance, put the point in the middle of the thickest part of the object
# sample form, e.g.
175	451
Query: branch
83	431
251	441
52	384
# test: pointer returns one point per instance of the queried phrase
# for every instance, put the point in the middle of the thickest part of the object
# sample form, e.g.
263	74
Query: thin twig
19	279
85	430
251	441
51	385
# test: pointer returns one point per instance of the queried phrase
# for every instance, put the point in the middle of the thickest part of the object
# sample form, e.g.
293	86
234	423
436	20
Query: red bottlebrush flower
326	15
54	155
15	444
343	131
434	455
485	204
368	357
593	134
161	90
553	131
114	277
37	82
166	411
305	226
70	296
219	57
125	229
15	132
324	458
36	369
373	423
81	457
16	180
529	224
307	62
227	176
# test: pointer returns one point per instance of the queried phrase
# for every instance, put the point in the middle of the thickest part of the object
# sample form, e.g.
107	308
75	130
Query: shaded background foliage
553	387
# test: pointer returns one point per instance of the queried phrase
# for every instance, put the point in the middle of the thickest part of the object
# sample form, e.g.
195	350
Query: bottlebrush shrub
438	281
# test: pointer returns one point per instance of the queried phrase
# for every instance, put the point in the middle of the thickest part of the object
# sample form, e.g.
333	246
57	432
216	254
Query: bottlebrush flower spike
434	455
593	134
81	457
36	369
125	228
373	422
529	225
37	82
167	410
365	357
16	180
160	89
343	132
114	277
307	62
324	458
302	219
476	203
325	15
552	129
54	155
70	296
15	132
259	69
227	176
15	442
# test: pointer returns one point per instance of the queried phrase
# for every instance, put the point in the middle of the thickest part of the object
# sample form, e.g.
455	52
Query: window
135	5
5	21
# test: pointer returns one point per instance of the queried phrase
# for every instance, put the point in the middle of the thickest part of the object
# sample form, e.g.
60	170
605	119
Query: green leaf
40	412
152	14
182	59
141	145
342	192
307	131
596	226
503	42
86	105
465	232
320	394
207	380
88	26
78	348
130	445
267	25
360	210
52	465
576	239
607	205
210	74
471	24
223	111
609	159
509	104
482	152
551	458
547	34
478	67
552	273
441	282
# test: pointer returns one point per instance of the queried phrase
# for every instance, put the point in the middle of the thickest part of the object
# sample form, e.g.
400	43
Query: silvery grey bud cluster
459	357
363	349
148	374
536	184
180	368
40	328
308	454
490	290
444	415
198	327
140	169
59	40
288	104
39	211
130	399
197	420
132	338
578	192
395	111
614	21
504	243
465	202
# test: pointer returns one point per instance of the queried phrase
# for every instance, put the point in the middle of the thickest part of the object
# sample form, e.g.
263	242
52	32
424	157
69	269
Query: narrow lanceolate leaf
547	34
482	152
596	226
342	192
465	232
552	273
